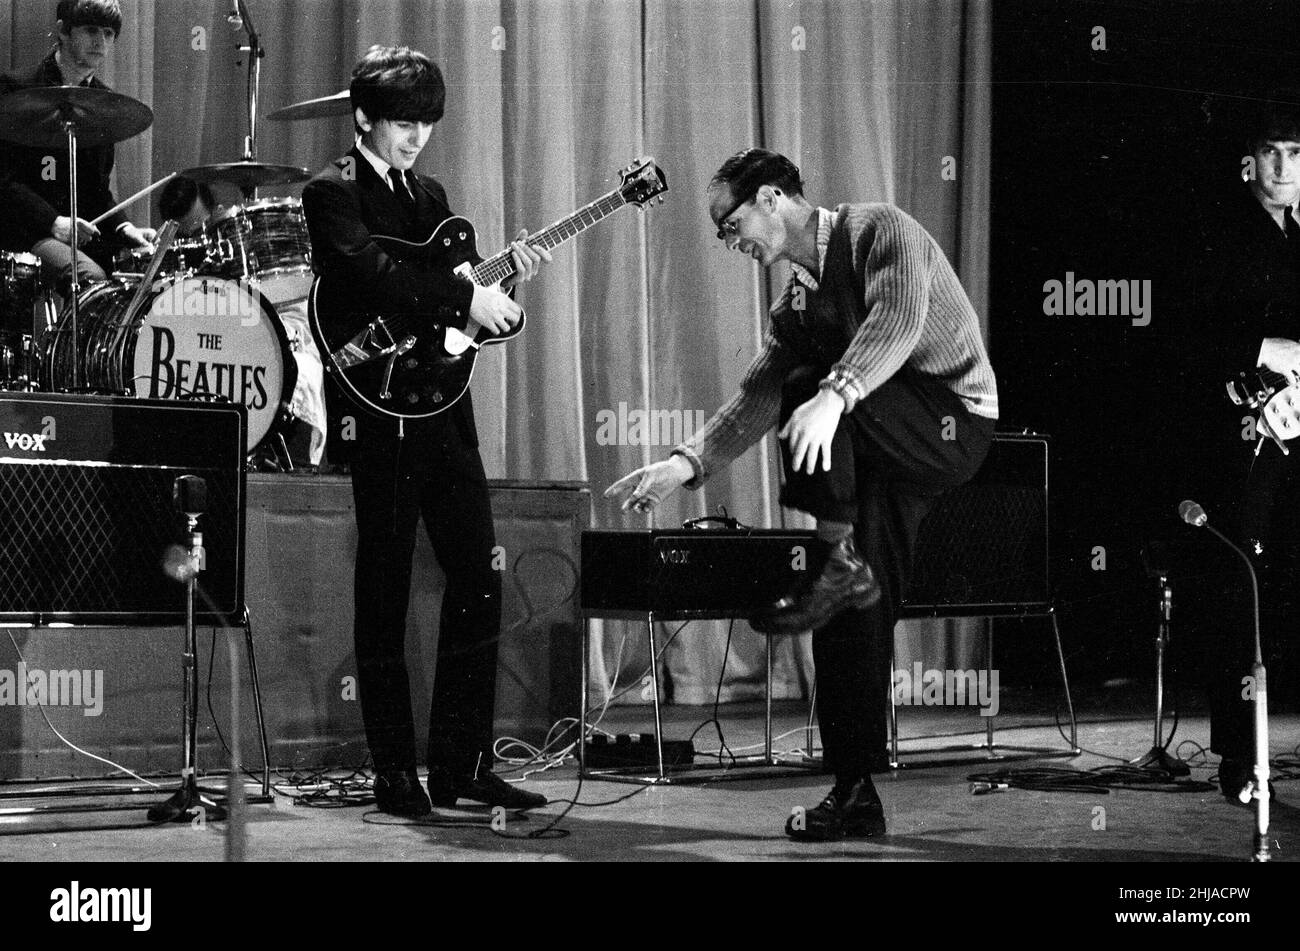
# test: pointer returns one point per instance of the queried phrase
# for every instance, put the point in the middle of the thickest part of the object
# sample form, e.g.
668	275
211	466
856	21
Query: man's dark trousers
434	472
899	449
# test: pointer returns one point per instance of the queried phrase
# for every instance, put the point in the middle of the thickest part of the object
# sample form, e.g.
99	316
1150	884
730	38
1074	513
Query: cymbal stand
255	53
70	127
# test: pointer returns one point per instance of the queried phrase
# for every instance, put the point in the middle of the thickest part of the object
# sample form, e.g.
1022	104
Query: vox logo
27	442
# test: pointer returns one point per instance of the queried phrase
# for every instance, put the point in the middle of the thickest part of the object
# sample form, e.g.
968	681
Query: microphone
235	18
190	495
1192	514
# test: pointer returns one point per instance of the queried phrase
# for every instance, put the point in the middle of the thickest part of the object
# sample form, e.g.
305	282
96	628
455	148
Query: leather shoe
1234	776
845	581
398	793
851	810
486	787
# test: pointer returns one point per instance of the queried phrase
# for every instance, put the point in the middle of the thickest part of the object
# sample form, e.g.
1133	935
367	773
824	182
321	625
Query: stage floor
931	813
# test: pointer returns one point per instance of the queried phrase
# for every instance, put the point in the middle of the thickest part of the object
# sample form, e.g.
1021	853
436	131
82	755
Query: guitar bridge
373	343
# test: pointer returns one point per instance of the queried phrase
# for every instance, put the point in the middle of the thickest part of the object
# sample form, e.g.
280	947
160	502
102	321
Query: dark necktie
1292	229
407	201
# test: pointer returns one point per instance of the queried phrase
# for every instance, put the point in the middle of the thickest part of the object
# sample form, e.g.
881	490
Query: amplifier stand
762	766
991	751
12	791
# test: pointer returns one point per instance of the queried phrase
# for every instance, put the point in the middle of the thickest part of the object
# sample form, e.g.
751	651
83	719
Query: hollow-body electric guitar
404	364
1275	396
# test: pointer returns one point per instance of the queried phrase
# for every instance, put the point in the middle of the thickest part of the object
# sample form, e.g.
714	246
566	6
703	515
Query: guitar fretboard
501	265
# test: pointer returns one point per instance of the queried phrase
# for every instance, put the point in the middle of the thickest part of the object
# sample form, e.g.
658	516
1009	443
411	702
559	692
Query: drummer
37	216
190	204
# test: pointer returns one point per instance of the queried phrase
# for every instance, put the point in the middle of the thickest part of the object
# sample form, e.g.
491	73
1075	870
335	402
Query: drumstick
134	198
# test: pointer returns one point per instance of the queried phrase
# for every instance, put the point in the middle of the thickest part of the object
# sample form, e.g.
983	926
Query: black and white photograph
650	431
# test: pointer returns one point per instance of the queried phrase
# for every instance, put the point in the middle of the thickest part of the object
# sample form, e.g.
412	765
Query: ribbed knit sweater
887	299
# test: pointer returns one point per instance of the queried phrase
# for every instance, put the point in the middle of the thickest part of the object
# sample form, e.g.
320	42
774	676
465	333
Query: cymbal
35	116
339	104
246	174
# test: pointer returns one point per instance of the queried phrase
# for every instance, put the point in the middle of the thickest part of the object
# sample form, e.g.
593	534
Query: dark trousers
1266	525
434	473
899	449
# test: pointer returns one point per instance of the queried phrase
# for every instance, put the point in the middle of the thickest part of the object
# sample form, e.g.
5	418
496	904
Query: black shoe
1234	777
845	581
850	810
446	787
398	793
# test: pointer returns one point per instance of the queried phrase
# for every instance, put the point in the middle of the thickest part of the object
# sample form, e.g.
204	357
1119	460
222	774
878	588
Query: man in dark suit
34	192
405	469
1244	282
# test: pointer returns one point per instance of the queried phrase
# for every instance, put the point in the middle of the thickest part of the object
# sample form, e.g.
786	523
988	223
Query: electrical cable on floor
66	742
1099	780
717	700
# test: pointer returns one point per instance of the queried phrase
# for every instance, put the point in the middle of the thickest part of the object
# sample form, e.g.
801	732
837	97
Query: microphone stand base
185	804
1159	759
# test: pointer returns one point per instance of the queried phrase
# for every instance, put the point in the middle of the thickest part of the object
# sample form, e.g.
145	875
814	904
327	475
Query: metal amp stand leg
666	773
990	748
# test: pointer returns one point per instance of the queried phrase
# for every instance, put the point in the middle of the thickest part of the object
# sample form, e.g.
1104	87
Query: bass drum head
207	336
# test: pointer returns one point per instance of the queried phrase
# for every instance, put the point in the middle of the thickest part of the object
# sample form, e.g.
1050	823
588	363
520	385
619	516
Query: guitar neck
502	265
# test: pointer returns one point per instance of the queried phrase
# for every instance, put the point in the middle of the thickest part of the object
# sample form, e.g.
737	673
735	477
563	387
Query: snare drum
263	239
20	290
184	256
193	336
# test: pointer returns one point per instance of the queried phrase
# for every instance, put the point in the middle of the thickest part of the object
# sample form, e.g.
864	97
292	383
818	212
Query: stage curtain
876	101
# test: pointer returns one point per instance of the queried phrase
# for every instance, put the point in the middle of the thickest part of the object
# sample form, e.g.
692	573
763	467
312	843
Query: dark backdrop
1101	159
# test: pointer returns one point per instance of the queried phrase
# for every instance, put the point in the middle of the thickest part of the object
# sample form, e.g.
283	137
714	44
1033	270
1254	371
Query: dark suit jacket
345	205
32	198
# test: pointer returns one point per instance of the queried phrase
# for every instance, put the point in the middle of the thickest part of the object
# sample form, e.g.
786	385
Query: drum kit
222	315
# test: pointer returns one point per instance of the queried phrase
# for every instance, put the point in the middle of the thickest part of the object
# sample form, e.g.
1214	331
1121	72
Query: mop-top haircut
75	13
1274	122
399	84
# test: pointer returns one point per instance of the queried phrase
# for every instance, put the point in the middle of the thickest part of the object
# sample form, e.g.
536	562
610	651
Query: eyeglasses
728	229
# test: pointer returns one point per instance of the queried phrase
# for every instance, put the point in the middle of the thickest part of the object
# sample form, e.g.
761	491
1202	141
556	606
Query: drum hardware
52	115
21	294
247	174
326	107
262	240
178	337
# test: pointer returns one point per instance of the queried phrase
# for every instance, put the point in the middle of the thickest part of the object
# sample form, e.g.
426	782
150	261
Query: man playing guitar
1245	286
407	468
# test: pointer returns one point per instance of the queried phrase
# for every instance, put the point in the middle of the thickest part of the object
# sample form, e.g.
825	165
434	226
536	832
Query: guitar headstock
642	181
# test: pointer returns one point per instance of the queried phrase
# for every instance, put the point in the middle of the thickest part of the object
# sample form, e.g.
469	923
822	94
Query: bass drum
192	338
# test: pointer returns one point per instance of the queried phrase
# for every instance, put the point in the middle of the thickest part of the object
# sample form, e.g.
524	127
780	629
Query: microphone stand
190	492
1158	758
1257	788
